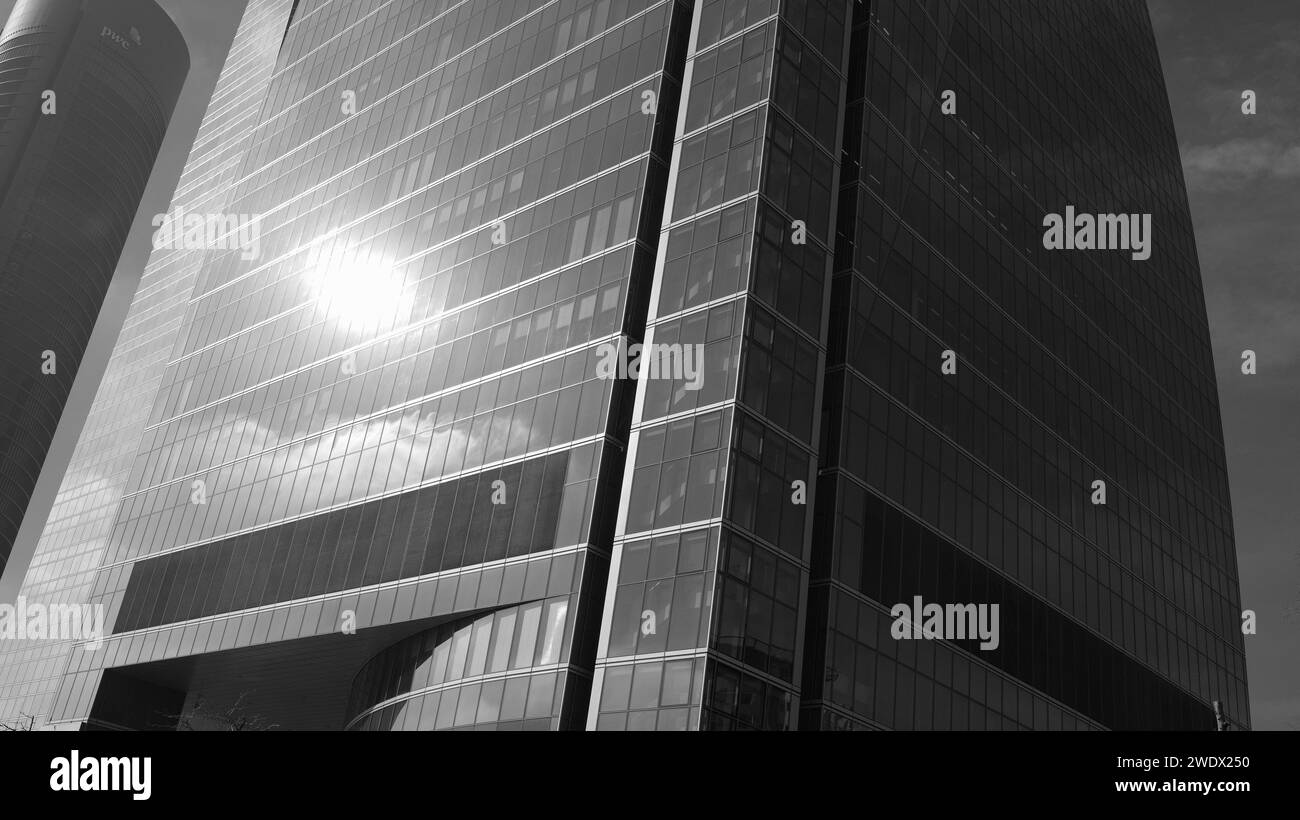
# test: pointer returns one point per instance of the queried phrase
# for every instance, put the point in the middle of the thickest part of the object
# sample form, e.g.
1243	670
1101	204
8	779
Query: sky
208	27
1242	174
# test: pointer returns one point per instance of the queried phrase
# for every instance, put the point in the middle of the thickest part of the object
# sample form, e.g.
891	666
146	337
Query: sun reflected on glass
360	293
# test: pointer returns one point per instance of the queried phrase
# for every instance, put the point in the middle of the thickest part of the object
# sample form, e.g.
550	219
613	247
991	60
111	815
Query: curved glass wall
498	670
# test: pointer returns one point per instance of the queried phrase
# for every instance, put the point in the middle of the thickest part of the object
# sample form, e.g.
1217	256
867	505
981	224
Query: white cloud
1238	161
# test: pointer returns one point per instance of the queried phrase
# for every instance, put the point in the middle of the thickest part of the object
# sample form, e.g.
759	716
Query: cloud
1268	329
1239	161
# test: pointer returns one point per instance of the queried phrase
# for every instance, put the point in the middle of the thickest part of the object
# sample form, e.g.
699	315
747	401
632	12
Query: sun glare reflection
363	294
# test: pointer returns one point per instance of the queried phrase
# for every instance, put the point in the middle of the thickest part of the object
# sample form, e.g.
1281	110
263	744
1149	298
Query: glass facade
72	544
714	523
393	414
501	671
1072	368
73	168
424	497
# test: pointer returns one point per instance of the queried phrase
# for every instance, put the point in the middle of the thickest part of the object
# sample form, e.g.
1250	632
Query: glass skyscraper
743	268
86	93
1071	368
385	482
72	544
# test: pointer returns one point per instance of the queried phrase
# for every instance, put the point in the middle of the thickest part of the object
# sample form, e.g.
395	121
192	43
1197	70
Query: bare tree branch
25	723
233	719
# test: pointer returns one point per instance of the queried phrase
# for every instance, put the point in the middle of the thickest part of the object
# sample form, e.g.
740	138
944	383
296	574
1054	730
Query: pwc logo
126	43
